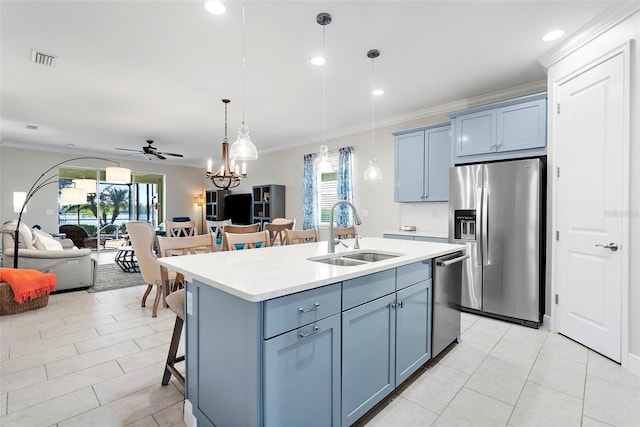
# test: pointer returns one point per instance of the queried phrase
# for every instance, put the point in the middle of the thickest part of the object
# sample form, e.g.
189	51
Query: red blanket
28	284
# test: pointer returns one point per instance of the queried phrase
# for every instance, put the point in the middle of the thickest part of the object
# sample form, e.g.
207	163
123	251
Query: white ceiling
134	70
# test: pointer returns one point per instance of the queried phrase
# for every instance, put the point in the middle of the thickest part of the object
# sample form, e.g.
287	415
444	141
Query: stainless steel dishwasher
447	291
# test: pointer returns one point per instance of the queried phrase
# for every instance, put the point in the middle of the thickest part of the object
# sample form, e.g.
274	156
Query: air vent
31	127
43	58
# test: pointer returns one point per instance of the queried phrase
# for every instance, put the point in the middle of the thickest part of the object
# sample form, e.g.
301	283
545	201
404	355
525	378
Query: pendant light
323	164
243	149
226	177
373	172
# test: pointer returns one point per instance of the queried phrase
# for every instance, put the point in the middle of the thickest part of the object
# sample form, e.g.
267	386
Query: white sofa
39	251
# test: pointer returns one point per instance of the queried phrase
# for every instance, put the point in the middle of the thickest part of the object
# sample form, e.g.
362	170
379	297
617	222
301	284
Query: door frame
625	50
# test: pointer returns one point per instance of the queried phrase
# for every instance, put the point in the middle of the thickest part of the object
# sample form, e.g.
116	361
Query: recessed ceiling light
215	7
71	145
31	127
378	92
552	35
318	60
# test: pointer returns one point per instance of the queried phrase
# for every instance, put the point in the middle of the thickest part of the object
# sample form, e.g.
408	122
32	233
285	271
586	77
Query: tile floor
97	359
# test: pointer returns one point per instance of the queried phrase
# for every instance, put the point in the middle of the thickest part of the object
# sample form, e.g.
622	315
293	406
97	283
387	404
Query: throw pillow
45	242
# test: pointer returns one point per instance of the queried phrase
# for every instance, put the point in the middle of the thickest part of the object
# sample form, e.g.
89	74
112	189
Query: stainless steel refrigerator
497	211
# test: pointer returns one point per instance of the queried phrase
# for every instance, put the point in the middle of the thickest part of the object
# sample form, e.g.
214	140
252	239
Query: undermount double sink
354	258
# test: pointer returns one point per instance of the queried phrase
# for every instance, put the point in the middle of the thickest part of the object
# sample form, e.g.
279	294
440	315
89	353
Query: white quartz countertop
265	273
420	233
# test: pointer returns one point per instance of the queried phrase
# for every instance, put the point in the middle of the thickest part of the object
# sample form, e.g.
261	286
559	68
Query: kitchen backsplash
425	216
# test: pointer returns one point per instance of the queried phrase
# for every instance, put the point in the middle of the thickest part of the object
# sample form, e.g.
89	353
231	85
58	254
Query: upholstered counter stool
176	304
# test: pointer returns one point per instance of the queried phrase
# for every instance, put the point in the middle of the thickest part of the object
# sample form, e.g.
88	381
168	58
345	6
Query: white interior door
591	145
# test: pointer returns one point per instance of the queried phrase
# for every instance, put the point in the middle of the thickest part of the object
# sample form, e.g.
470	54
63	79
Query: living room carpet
110	276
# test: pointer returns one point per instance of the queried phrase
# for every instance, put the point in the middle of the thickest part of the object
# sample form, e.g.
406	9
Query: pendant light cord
324	66
372	102
243	62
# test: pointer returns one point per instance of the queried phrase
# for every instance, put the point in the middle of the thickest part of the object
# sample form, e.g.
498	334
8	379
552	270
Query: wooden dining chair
239	241
234	229
292	237
143	237
180	229
344	232
284	221
276	231
172	246
217	228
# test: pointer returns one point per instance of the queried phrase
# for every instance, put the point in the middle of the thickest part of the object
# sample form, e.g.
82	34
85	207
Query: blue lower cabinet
302	376
413	329
368	356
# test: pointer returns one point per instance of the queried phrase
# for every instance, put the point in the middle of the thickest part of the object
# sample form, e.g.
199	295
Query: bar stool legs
172	359
175	301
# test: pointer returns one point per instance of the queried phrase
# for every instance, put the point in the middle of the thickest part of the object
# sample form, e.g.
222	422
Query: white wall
373	199
627	30
20	168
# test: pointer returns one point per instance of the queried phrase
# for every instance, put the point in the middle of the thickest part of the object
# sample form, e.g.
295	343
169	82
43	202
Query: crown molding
438	110
598	26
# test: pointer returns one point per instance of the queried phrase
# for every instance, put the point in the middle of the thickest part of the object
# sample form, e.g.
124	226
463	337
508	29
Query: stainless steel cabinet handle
316	329
451	261
613	246
306	310
401	304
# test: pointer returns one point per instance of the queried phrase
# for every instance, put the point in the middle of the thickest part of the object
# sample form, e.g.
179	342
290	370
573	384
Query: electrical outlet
49	211
364	213
434	214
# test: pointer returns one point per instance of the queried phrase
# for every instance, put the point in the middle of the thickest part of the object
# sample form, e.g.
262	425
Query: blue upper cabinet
422	161
504	130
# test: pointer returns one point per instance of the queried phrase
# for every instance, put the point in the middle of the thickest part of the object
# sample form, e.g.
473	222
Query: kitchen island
292	335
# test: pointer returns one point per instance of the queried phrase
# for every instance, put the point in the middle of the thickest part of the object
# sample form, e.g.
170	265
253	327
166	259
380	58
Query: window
322	190
327	190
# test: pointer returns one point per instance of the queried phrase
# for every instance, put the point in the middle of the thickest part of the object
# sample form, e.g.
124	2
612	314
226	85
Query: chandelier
227	176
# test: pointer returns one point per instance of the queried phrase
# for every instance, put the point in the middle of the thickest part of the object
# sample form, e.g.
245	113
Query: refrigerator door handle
480	236
485	227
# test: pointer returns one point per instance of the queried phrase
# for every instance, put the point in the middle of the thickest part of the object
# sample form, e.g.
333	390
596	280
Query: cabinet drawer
411	274
292	311
367	288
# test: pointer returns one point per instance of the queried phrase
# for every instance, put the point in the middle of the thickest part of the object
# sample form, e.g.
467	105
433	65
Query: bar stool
176	304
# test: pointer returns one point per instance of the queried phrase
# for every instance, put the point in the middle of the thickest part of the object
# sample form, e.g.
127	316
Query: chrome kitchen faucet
356	221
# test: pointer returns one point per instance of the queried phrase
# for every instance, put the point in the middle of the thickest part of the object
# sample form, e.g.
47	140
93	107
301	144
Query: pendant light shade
19	197
243	149
323	164
118	175
89	185
73	196
373	172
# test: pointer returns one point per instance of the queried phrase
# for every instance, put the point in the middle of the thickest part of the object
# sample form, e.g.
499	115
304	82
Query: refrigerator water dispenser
465	224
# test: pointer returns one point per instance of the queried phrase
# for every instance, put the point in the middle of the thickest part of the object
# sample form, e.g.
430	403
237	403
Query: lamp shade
73	196
243	149
18	201
89	185
118	175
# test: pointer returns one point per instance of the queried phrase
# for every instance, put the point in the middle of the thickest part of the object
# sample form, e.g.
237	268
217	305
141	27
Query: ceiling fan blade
129	149
160	156
169	154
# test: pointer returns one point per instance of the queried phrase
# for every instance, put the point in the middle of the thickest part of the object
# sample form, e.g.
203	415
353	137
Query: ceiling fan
150	150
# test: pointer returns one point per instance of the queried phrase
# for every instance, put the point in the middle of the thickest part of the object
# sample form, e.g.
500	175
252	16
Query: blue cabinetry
422	161
509	129
302	376
385	340
321	357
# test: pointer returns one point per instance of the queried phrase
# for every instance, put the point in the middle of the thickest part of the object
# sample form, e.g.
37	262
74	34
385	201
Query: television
237	208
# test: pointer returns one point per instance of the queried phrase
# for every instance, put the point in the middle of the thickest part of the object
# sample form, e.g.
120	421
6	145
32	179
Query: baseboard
188	417
633	364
